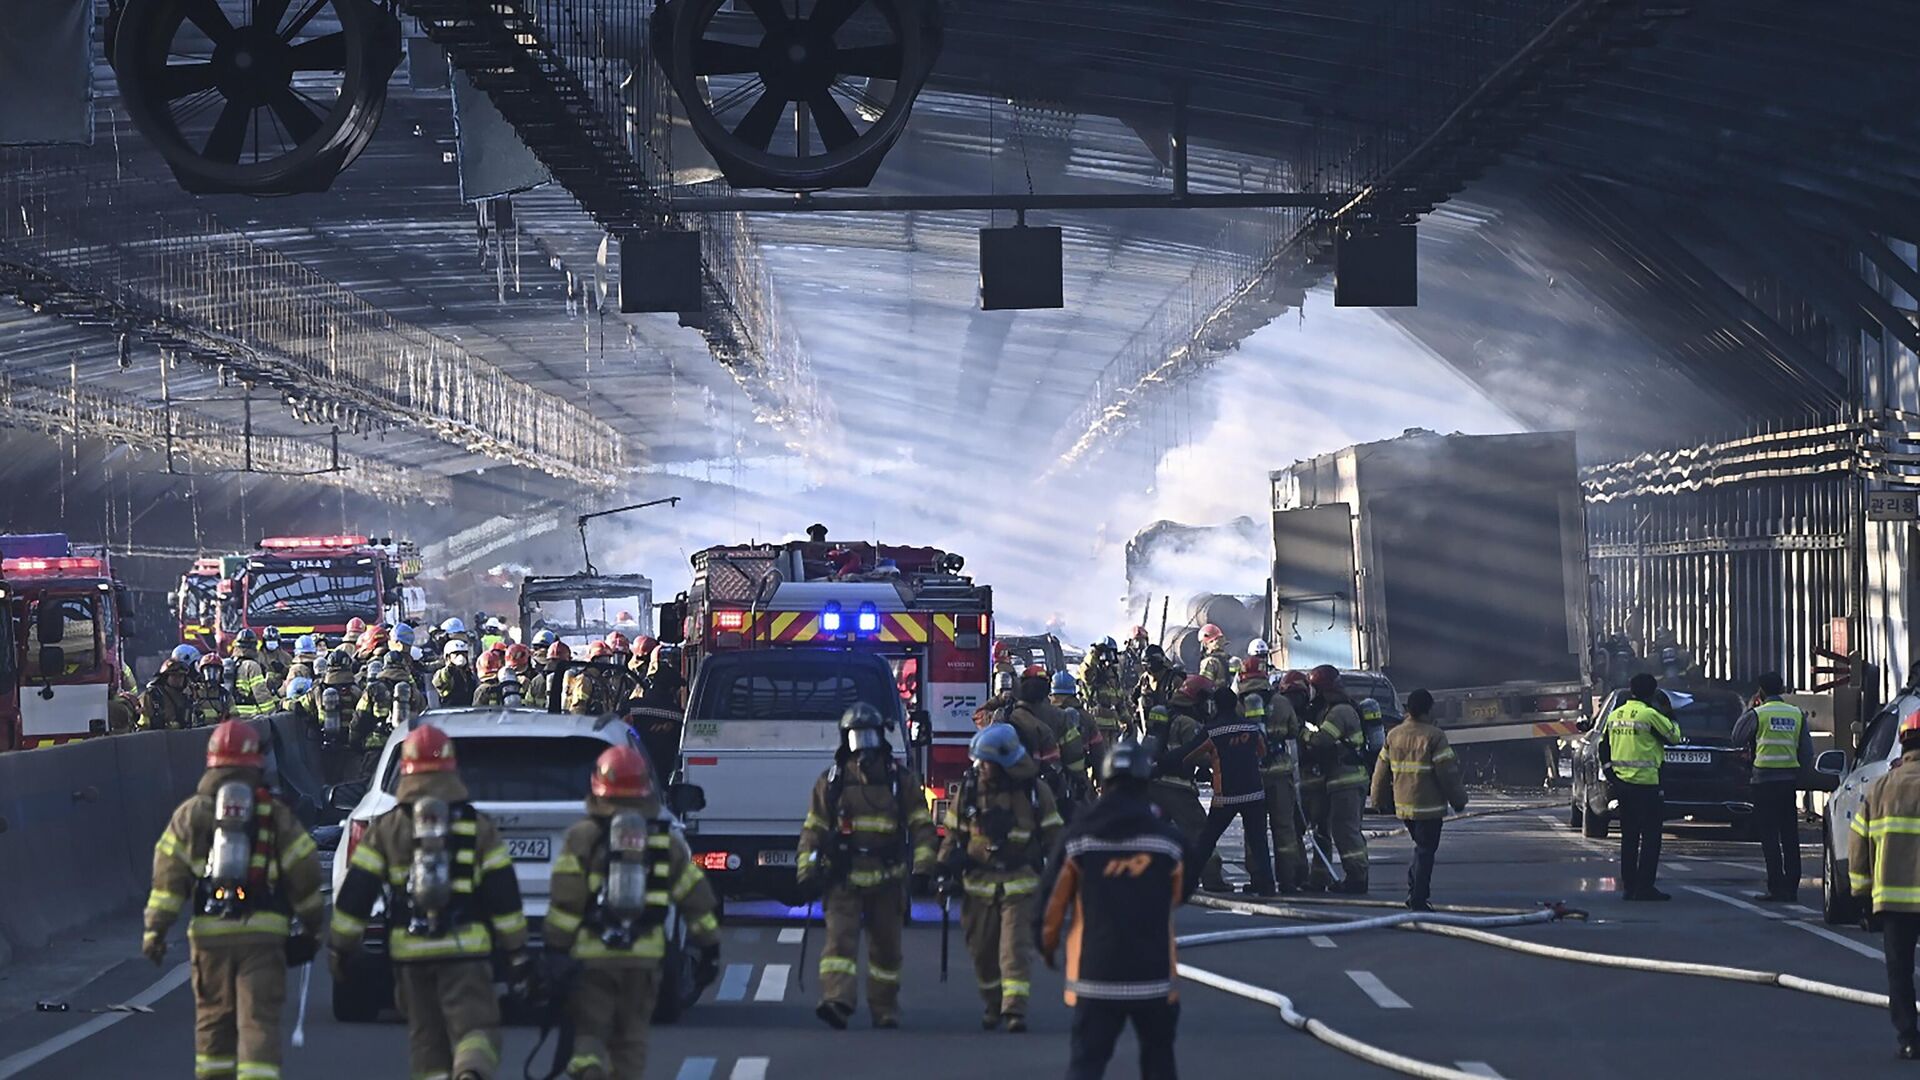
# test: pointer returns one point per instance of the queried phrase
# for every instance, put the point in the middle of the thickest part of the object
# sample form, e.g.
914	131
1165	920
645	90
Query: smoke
1055	550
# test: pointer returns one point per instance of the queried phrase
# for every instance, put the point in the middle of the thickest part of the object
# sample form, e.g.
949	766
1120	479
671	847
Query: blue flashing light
830	618
869	619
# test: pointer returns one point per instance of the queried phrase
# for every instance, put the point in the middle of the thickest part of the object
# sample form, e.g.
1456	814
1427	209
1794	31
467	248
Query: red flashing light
310	543
730	620
713	860
68	565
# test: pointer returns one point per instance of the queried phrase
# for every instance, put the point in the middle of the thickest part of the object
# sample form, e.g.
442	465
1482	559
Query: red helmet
209	660
1909	725
622	773
559	651
643	644
1138	633
489	664
235	743
599	650
1197	687
1034	671
618	641
1325	678
427	750
1293	680
1001	652
519	657
1211	633
356	626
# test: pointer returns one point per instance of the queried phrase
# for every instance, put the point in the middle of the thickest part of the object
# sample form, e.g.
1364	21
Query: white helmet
1259	647
457	645
453	626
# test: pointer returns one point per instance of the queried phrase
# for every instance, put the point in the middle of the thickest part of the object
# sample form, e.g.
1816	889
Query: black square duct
660	271
1020	268
1376	268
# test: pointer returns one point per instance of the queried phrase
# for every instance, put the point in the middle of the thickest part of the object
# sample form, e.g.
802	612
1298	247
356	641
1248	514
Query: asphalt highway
1454	1003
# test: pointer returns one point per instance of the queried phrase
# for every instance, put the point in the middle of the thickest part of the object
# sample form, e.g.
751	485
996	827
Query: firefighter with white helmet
238	863
455	681
451	900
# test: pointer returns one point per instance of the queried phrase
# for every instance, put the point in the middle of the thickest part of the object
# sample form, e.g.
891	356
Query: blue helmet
306	645
1064	683
544	638
997	743
298	686
186	654
401	639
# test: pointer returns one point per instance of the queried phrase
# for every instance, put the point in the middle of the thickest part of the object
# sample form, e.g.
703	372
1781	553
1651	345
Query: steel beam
815	204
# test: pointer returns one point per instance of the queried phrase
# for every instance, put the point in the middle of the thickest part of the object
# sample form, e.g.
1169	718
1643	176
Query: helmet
1108	644
1196	687
427	750
544	638
643	645
1324	679
494	625
356	626
209	662
489	664
1258	647
457	647
559	651
1064	684
402	637
374	639
245	639
1370	710
1156	657
1128	760
306	645
599	650
1001	653
1233	664
271	635
621	772
184	654
1910	727
1293	680
1034	671
619	641
519	657
235	743
298	686
1138	633
1211	633
997	743
862	728
453	626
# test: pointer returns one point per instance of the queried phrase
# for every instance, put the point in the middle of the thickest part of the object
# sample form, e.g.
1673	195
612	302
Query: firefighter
1064	696
371	645
1102	690
620	872
1235	746
1215	655
1133	658
167	702
297	699
306	656
517	673
487	690
455	680
1277	775
1175	733
492	632
251	694
1037	722
1883	874
1122	873
273	658
451	901
1003	663
1159	678
393	695
558	654
242	866
1335	736
212	701
1419	771
999	831
589	691
866	830
621	684
666	682
339	676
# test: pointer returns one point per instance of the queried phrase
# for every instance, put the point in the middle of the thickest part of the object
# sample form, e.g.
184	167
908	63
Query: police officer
1175	733
1777	735
1883	871
1277	772
451	901
1419	771
867	829
1337	737
238	861
621	870
999	831
251	694
1121	871
1102	691
1235	746
167	701
1637	734
455	680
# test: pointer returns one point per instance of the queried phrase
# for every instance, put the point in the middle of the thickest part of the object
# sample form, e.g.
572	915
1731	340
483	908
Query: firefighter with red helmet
1133	657
392	697
1177	736
1215	655
212	701
589	691
168	700
516	674
620	872
1336	737
558	654
488	691
238	863
451	902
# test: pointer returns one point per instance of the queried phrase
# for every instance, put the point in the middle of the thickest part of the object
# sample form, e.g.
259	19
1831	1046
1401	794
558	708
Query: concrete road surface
1460	1004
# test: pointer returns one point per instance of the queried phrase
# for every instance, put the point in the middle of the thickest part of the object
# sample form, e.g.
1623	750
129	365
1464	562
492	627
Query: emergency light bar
206	566
730	620
307	543
869	622
830	618
72	564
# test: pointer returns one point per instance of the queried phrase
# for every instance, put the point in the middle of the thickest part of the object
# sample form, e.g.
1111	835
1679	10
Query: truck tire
1837	906
1575	817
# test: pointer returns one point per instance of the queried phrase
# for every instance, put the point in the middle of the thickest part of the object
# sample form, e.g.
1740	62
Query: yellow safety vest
1637	734
1776	740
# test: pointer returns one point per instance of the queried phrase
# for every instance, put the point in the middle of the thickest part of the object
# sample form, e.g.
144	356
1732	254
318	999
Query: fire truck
908	605
61	642
314	585
196	603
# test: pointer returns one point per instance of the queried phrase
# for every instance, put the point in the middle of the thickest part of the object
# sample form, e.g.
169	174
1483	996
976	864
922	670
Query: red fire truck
63	639
196	603
313	585
909	605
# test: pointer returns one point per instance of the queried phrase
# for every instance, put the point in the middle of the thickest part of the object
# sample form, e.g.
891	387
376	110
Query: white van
762	725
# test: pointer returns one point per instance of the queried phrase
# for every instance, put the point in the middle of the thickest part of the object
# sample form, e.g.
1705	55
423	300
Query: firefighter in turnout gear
538	688
1133	658
1157	682
1216	659
1236	745
274	659
620	871
167	702
1075	747
589	691
1112	890
1038	723
999	831
1102	691
867	830
335	716
306	656
1419	772
1175	733
392	697
1278	774
211	699
455	680
451	901
241	866
1335	736
251	694
487	690
1883	874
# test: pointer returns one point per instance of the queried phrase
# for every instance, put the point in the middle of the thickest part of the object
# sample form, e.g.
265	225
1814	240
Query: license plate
1483	710
776	858
530	848
1689	757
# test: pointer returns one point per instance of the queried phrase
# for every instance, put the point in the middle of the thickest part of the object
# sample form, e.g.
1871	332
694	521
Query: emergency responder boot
990	1019
835	1013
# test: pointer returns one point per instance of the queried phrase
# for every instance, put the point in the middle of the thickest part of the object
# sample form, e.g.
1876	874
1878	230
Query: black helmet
1155	656
862	728
1128	760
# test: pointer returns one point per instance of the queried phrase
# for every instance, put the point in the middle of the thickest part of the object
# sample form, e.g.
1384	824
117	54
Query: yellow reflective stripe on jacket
302	847
690	876
259	922
468	939
510	924
562	922
705	926
497	859
162	900
171	846
1905	826
1400	767
364	857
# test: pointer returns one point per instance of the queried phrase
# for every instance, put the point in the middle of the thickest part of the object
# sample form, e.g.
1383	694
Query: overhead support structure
826	204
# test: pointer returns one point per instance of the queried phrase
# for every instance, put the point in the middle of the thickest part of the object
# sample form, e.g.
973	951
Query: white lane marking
1822	932
1549	819
1479	1068
1802	909
34	1055
696	1069
750	1069
1322	941
1680	867
1734	901
1370	984
792	935
773	983
733	983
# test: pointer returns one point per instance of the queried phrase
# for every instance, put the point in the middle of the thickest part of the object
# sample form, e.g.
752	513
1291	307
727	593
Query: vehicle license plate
1483	710
530	848
776	858
1689	757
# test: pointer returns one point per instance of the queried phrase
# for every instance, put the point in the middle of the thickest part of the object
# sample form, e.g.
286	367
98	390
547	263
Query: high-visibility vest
1776	741
1637	734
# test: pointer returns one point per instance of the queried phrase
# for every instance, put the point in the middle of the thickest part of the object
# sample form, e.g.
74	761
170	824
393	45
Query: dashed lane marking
750	1069
773	984
1680	867
696	1069
34	1055
1479	1068
1322	941
792	935
1370	984
1822	932
733	983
